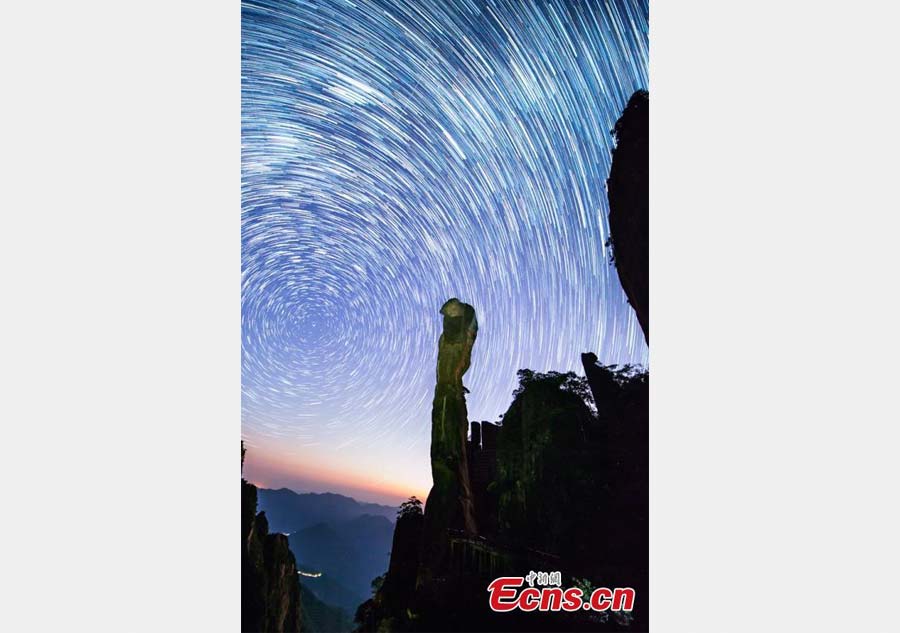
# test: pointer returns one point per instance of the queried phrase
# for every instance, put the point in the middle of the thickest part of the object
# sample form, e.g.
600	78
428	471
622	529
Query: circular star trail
396	154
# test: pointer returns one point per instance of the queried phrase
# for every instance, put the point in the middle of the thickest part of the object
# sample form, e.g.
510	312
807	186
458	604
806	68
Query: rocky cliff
405	551
548	480
390	608
270	588
621	395
629	204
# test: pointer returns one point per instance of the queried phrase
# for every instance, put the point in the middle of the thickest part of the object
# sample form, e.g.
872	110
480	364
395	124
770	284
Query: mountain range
346	541
289	511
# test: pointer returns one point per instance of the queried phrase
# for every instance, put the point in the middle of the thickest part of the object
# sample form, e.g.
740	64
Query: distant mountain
288	511
350	554
348	541
333	593
318	617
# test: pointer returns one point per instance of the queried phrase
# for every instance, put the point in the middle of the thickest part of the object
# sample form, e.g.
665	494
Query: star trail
394	155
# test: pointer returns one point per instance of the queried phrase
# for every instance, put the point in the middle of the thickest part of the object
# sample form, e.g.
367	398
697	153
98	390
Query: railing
480	556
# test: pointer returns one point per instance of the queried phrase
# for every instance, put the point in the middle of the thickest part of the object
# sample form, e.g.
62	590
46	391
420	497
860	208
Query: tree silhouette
410	506
553	380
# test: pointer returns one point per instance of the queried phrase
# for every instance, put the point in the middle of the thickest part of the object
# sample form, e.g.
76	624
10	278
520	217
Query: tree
552	381
410	506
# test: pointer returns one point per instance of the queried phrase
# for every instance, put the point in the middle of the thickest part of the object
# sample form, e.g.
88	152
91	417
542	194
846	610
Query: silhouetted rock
622	399
400	581
282	584
450	502
481	453
389	608
548	480
270	589
629	204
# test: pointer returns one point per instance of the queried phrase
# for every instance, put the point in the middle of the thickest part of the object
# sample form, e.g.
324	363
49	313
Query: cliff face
270	588
481	453
450	503
401	577
390	609
629	204
547	457
622	399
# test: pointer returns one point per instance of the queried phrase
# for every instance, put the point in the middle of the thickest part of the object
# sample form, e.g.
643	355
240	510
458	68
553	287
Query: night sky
394	155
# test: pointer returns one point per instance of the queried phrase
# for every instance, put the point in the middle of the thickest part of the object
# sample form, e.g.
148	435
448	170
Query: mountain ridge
290	511
345	540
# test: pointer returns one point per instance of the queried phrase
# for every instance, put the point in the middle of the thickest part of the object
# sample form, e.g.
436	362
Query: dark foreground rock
270	588
629	204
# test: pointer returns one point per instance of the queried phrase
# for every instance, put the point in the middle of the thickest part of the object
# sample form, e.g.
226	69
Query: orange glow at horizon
273	469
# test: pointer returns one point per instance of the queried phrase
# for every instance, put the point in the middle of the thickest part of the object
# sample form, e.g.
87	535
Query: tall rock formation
629	204
450	503
622	543
270	588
